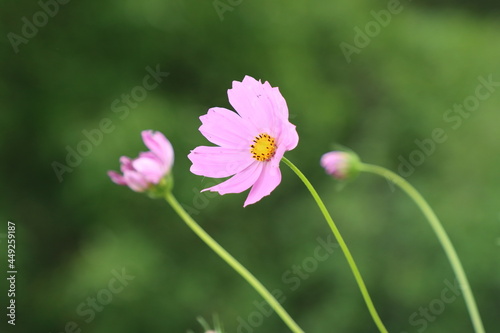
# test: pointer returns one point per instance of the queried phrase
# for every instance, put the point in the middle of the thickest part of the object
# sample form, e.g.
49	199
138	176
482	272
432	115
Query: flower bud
340	165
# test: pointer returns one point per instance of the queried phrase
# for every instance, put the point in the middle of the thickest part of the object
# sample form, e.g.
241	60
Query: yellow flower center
263	147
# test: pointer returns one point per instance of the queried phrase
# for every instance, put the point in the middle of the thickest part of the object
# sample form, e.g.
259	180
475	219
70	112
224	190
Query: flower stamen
263	147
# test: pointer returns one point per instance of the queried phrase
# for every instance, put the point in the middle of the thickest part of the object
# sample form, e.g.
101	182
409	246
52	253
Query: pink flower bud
340	165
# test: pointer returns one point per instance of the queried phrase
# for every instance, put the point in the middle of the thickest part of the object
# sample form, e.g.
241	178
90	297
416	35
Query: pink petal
151	168
135	181
269	179
218	162
160	146
251	99
289	136
126	164
116	178
278	155
279	103
149	154
239	182
227	129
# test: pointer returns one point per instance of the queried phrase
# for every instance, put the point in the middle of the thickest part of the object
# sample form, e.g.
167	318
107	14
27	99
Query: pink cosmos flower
251	142
150	167
339	164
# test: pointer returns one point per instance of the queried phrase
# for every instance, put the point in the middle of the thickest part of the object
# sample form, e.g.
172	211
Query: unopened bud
340	164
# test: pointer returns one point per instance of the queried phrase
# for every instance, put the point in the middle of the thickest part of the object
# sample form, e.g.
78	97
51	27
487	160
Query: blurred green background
76	232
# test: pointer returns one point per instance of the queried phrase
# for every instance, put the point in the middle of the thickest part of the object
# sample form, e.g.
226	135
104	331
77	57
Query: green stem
343	246
441	235
233	263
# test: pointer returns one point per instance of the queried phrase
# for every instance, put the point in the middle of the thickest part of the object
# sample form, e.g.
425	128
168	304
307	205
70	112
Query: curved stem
343	246
441	235
229	259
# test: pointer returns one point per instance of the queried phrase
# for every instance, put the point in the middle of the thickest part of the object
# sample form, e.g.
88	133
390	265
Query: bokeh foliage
72	234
